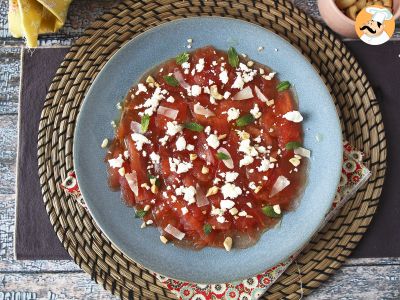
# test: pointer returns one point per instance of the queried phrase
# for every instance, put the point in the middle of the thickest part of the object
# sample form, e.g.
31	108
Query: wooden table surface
357	279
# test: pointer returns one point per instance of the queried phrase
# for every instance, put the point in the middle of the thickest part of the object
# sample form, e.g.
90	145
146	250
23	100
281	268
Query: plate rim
166	24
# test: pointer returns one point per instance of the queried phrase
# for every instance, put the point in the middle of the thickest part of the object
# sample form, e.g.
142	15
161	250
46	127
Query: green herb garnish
292	145
233	57
269	212
223	156
181	58
245	120
193	126
144	123
283	86
140	213
154	179
207	229
171	80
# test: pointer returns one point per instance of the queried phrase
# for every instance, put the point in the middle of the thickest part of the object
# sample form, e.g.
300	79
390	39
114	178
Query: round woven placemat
357	107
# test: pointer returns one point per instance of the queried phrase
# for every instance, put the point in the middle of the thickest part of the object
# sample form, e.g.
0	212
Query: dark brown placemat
35	237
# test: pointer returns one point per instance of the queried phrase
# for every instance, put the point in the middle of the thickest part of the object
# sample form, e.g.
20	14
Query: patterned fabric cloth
29	18
354	175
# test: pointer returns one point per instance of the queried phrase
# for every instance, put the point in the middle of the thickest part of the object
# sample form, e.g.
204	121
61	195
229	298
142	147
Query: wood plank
9	78
8	149
50	286
381	282
372	282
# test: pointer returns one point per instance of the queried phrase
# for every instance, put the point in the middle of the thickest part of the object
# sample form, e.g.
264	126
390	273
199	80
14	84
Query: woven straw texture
355	101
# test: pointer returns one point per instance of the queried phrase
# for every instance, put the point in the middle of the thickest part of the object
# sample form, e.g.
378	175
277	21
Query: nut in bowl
340	15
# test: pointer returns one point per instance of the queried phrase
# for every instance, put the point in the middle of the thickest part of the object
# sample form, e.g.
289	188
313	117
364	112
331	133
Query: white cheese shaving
293	116
131	178
302	152
175	232
238	83
280	183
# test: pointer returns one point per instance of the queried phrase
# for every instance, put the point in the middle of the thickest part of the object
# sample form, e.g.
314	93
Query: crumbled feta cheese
139	140
231	176
141	89
180	143
164	140
152	103
189	147
213	141
246	148
223	76
185	65
187	192
255	111
264	165
233	114
179	166
221	219
252	185
173	128
243	213
227	95
227	204
293	116
184	210
116	162
195	90
230	191
200	65
171	99
246	160
126	154
207	130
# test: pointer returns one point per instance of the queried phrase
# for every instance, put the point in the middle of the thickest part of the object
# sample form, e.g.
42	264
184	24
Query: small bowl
341	23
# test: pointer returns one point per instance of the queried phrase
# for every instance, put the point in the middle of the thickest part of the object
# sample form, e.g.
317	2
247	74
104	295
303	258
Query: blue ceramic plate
116	220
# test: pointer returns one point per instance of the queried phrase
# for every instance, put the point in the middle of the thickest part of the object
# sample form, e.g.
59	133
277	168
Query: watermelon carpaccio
208	149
